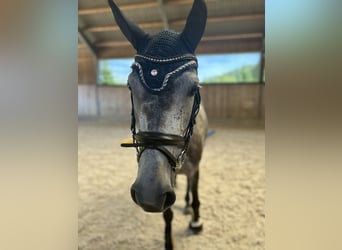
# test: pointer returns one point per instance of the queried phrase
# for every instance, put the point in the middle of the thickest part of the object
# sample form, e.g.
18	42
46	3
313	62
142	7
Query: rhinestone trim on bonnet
167	76
164	60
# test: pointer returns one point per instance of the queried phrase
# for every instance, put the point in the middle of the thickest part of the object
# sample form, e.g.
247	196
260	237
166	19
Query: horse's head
165	101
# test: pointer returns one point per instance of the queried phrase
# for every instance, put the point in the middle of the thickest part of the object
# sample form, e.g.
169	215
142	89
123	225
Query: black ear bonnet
166	54
164	45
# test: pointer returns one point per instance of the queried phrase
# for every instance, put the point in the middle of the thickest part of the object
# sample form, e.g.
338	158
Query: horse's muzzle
151	202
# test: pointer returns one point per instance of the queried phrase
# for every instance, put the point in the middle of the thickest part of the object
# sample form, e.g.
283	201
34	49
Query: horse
168	122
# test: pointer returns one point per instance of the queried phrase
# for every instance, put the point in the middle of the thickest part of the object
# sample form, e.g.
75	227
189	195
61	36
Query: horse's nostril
152	202
133	195
170	199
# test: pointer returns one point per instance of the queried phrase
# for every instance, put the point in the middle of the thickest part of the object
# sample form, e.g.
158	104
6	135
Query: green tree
244	74
106	76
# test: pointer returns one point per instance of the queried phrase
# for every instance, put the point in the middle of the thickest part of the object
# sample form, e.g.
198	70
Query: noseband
154	74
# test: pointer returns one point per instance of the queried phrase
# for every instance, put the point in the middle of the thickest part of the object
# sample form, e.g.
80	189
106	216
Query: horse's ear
195	25
136	36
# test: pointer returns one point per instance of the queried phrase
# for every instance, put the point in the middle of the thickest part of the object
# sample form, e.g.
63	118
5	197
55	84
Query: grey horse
168	123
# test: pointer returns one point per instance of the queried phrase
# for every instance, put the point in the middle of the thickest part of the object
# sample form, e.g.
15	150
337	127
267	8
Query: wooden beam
124	50
120	52
176	2
231	37
112	44
163	14
177	22
261	109
87	43
115	27
229	46
135	6
247	17
225	19
115	44
94	11
125	7
103	28
84	59
262	62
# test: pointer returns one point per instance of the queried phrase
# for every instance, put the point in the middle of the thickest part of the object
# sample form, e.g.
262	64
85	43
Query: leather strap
157	140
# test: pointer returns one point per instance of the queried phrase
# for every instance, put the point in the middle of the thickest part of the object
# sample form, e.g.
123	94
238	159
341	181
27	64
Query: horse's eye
129	87
193	90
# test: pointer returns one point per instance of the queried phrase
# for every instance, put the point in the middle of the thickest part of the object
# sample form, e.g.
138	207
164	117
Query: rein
155	140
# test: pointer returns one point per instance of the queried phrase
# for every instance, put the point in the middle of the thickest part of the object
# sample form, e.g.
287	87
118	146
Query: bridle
155	140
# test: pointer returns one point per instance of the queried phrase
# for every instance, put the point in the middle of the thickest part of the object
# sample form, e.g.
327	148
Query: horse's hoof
196	226
187	210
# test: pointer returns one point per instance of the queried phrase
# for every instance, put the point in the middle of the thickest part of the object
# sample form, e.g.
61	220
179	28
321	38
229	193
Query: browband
166	60
155	73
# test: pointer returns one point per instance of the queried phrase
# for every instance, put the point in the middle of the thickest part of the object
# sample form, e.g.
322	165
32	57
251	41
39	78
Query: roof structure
232	25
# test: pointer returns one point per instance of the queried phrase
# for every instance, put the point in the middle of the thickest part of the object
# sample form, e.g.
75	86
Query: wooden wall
115	102
233	101
87	101
222	101
87	91
87	67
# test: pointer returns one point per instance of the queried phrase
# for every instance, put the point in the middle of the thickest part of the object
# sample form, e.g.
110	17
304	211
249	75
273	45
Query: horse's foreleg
195	224
187	209
168	216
